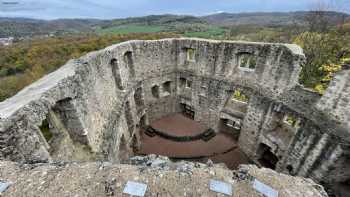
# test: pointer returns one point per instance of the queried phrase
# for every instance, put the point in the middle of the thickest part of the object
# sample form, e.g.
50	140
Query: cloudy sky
106	9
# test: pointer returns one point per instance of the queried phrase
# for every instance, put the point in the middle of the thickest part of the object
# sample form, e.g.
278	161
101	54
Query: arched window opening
266	157
116	73
128	59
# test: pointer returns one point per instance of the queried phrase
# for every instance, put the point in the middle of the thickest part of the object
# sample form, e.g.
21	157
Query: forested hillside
25	62
216	24
324	36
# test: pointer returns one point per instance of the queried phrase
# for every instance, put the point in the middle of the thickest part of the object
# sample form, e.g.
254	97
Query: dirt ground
220	149
178	125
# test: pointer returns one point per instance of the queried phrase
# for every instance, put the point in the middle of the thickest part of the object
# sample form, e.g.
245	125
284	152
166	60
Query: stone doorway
187	111
230	127
266	158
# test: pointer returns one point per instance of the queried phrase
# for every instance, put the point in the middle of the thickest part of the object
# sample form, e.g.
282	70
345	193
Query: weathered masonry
92	108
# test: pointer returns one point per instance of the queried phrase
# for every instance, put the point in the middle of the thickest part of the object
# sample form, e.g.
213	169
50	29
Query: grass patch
211	32
131	29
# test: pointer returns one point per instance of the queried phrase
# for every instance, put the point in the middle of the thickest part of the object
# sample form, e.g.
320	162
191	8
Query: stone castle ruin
119	102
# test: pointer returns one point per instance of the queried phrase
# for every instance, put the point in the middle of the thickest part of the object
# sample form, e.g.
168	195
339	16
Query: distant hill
23	27
268	18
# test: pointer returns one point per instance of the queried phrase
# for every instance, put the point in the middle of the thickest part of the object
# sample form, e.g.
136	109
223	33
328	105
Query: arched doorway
266	157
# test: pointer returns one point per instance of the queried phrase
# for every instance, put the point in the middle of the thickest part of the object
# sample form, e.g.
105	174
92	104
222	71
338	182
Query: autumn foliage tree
25	62
325	53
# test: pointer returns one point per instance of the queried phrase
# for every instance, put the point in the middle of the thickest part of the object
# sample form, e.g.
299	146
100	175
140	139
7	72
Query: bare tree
316	19
322	15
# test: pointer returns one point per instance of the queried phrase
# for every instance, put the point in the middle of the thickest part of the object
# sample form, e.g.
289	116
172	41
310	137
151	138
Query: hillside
271	19
24	27
194	26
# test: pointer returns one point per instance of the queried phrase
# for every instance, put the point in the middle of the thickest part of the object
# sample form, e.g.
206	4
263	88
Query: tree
325	53
322	17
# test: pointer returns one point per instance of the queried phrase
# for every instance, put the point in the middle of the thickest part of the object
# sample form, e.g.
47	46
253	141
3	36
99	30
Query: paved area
220	149
178	125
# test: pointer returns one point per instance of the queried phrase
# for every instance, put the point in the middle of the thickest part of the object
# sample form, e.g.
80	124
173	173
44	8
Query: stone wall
96	104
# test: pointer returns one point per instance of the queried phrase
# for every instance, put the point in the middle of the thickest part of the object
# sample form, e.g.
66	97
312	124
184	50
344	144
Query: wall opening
66	113
290	169
191	53
247	61
155	91
128	59
128	117
291	120
116	73
143	121
139	101
182	82
240	96
45	130
230	126
187	111
188	84
167	87
266	157
236	104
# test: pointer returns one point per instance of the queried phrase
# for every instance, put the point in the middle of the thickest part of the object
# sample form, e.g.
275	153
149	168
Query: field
211	32
126	29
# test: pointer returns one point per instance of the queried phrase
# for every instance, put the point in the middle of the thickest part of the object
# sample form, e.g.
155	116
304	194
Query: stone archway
266	158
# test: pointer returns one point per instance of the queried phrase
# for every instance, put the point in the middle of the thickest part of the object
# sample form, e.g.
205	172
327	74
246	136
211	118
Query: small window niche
291	120
167	87
182	82
188	84
155	91
203	91
247	61
239	96
191	53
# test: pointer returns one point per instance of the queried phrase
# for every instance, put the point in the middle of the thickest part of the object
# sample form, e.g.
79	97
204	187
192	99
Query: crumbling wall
162	177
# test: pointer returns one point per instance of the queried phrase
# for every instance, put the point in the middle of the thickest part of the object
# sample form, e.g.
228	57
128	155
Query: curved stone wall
96	104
